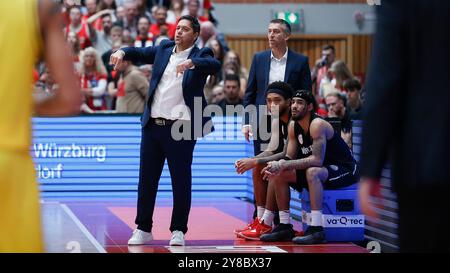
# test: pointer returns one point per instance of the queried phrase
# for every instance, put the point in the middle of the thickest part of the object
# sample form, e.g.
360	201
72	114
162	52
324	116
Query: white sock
260	211
267	218
316	218
285	217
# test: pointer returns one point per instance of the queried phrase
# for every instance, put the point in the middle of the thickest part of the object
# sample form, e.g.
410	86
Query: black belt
162	121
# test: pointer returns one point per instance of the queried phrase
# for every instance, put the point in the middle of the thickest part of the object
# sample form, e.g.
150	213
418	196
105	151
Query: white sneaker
177	238
140	237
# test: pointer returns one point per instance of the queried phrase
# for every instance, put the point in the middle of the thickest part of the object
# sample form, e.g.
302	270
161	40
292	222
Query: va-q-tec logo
345	221
374	2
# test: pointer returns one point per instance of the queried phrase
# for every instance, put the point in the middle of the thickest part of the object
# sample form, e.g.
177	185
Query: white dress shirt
276	73
277	67
168	101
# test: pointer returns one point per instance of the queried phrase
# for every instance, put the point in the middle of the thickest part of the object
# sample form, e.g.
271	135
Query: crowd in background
94	29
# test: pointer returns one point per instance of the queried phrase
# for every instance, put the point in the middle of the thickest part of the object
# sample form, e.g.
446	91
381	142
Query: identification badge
98	102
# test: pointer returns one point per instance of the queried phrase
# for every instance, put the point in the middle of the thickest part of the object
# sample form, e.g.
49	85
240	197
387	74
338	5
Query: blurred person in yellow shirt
29	30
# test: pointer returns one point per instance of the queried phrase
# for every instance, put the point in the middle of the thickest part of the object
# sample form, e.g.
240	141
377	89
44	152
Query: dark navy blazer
193	79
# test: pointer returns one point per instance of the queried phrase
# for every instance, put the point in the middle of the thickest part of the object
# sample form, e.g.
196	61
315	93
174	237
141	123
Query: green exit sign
292	18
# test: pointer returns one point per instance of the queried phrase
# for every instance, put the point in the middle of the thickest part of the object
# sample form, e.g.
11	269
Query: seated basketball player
278	98
317	158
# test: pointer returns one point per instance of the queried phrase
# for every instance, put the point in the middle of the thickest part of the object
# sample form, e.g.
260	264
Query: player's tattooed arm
319	145
273	157
274	167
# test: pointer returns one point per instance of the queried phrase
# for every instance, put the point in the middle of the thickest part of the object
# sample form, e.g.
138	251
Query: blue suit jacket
193	79
297	75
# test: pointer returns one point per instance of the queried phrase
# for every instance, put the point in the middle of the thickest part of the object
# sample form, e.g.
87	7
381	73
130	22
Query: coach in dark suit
277	64
407	120
180	70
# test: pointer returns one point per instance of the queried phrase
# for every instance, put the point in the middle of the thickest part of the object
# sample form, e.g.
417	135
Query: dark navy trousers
157	145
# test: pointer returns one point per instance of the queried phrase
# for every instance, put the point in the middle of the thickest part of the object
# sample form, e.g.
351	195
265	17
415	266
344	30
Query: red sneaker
249	226
256	231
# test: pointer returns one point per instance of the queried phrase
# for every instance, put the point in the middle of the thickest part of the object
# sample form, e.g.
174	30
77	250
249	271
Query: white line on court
83	229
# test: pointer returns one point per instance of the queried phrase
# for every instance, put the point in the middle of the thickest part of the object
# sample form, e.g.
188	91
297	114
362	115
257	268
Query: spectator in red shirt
204	6
161	16
79	27
193	7
93	79
74	44
65	11
46	85
144	37
91	7
207	6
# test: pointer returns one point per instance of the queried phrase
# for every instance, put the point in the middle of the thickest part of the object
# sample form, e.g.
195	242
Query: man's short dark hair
327	47
281	88
194	22
352	84
287	26
233	77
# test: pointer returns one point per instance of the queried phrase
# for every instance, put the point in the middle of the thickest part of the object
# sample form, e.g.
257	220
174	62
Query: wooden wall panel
353	49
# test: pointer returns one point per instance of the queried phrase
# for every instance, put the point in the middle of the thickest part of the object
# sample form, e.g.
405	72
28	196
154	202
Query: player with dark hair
278	99
317	158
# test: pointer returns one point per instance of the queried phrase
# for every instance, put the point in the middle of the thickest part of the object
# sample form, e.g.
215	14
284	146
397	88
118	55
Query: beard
299	115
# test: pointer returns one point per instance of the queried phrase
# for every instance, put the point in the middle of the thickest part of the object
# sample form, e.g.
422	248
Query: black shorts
339	176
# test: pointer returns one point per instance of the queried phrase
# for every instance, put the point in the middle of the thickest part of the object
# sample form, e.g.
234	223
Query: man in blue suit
279	63
180	70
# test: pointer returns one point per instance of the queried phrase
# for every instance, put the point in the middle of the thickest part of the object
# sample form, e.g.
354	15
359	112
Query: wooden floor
91	225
